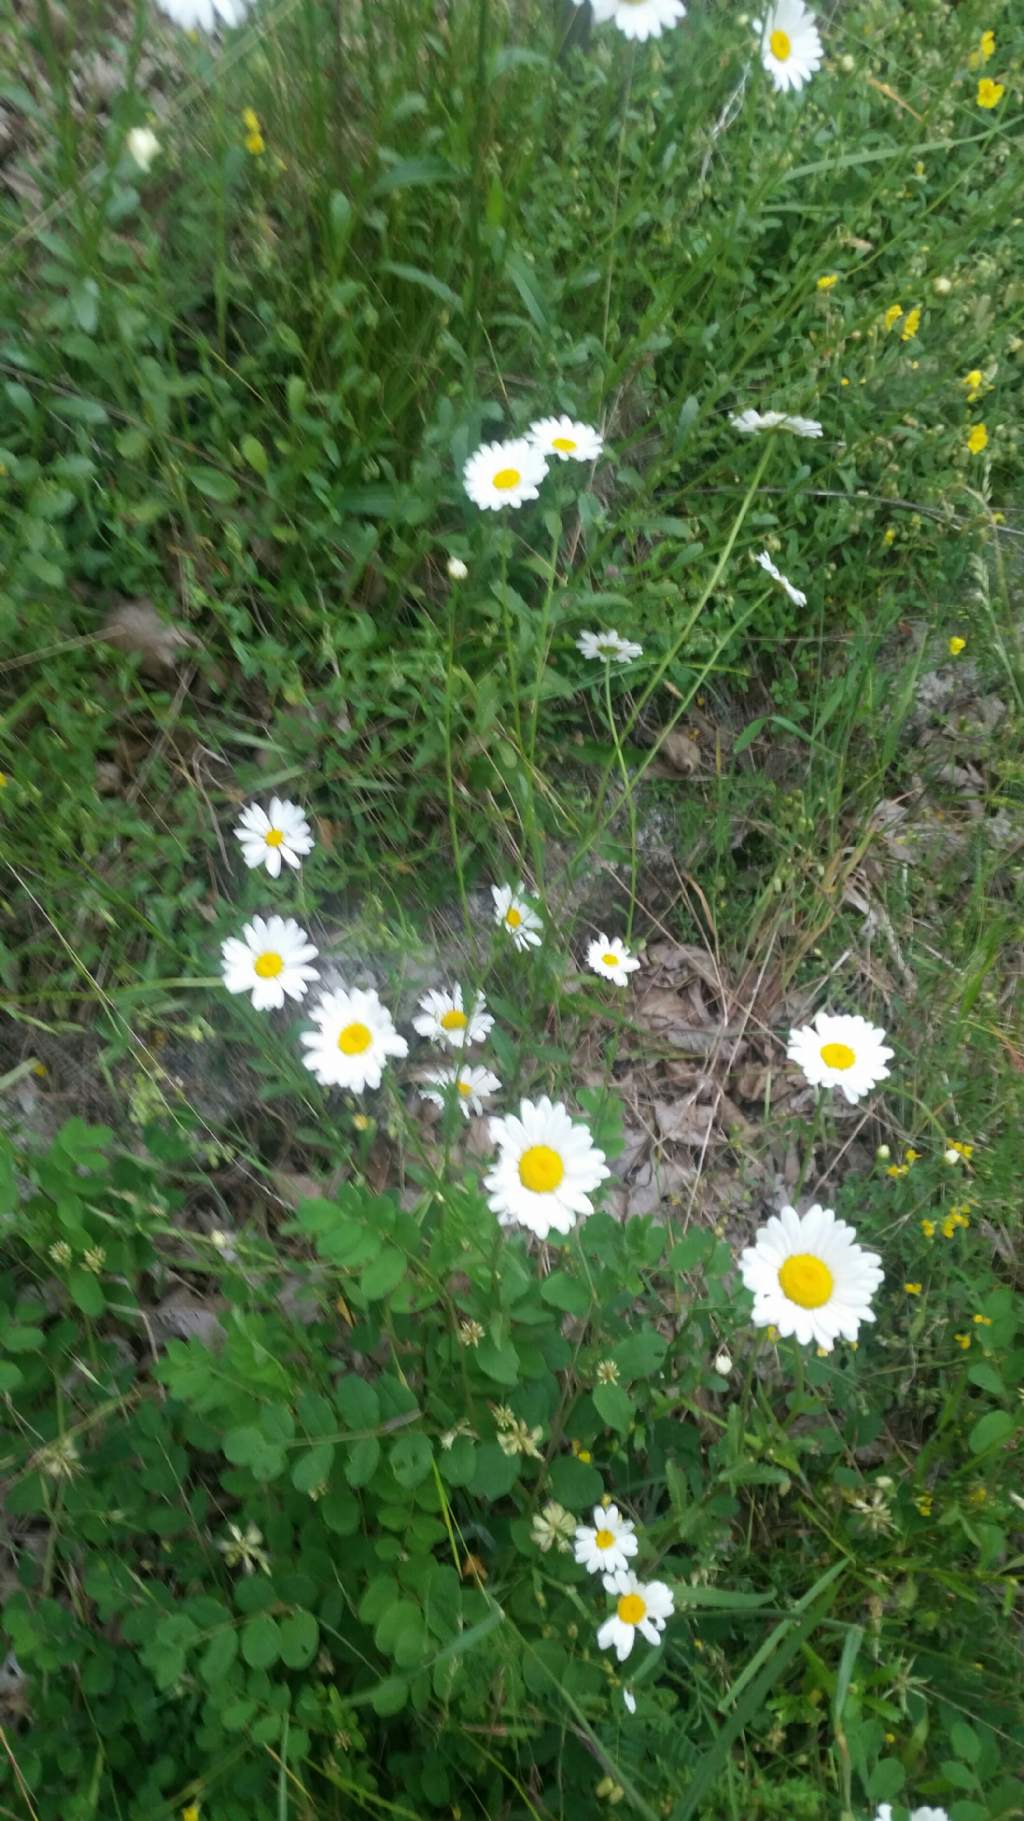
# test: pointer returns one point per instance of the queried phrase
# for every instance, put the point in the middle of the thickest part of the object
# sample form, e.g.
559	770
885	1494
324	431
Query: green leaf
357	1402
415	275
495	1473
384	1274
219	1656
22	1340
300	1635
361	1464
886	1780
991	1430
87	1291
574	1483
499	1360
255	454
261	1641
11	1376
614	1406
313	1469
562	1291
213	484
410	173
640	1354
965	1742
411	1458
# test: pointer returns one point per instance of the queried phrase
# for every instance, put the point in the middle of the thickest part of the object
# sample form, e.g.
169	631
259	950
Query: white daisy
790	46
608	646
472	1086
796	595
444	1018
810	1278
504	474
607	1545
546	1169
566	439
205	15
269	836
840	1051
355	1039
884	1813
142	145
512	910
629	1700
640	19
750	422
640	1606
610	956
270	962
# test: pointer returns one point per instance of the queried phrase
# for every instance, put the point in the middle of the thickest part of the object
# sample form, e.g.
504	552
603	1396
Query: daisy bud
143	146
847	64
723	1364
951	1156
942	286
457	569
883	1153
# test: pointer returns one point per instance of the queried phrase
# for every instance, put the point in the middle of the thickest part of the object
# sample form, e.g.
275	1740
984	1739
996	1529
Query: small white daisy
884	1813
751	422
840	1051
640	1606
356	1036
269	836
610	956
142	145
810	1278
639	19
569	441
790	45
472	1087
270	962
504	474
204	15
607	1544
514	914
443	1018
546	1170
609	647
796	595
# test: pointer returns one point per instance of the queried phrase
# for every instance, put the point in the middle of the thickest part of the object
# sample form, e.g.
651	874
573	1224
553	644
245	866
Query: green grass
241	389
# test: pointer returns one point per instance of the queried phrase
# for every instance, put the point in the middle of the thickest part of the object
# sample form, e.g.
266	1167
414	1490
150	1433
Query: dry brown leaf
683	1121
136	626
680	751
686	958
293	1187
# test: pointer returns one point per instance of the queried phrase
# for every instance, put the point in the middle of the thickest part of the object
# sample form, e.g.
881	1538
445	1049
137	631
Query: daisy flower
512	910
547	1168
356	1036
444	1019
639	19
796	595
504	474
610	956
269	836
640	1606
608	646
205	15
472	1086
810	1278
605	1546
884	1813
790	46
569	441
270	962
750	423
840	1051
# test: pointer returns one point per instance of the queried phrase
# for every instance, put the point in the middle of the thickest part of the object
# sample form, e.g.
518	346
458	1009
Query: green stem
627	791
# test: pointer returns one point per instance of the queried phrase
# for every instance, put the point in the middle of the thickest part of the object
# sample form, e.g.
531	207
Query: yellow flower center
506	478
806	1280
268	965
837	1056
781	45
274	837
540	1169
454	1021
609	959
632	1609
565	443
464	1087
513	917
354	1039
604	1538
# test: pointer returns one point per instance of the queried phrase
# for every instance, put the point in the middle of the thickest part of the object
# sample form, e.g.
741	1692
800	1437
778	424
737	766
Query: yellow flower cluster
911	324
957	1217
255	143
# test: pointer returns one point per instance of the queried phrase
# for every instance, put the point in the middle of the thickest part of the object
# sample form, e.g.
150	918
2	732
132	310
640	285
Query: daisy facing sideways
269	836
639	19
610	956
796	595
810	1278
546	1170
354	1040
515	915
640	1606
472	1087
444	1018
204	15
609	646
605	1546
562	439
504	474
270	961
751	423
790	45
840	1051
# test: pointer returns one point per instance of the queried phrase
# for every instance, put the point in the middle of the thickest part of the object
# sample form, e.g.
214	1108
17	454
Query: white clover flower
640	1606
472	1087
606	1545
750	423
810	1278
516	916
723	1363
790	45
270	961
796	595
546	1170
204	15
142	145
638	19
244	1549
552	1528
443	1018
568	441
504	474
840	1051
610	957
269	836
355	1039
609	647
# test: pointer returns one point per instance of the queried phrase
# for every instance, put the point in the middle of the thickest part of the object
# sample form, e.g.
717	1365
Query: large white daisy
472	1087
504	474
796	595
355	1038
609	647
204	15
606	1545
444	1018
810	1278
640	19
546	1169
840	1051
610	956
750	423
566	440
269	836
790	46
640	1606
513	912
269	961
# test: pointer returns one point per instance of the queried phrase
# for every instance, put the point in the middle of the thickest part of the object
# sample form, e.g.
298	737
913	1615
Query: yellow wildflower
977	1495
360	1121
962	1150
956	646
889	535
40	1069
250	120
893	314
910	1155
584	1455
898	1169
191	1813
772	1331
962	1340
255	144
983	1321
977	439
3	780
990	93
928	1228
924	1504
974	380
827	280
912	1289
986	48
911	324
